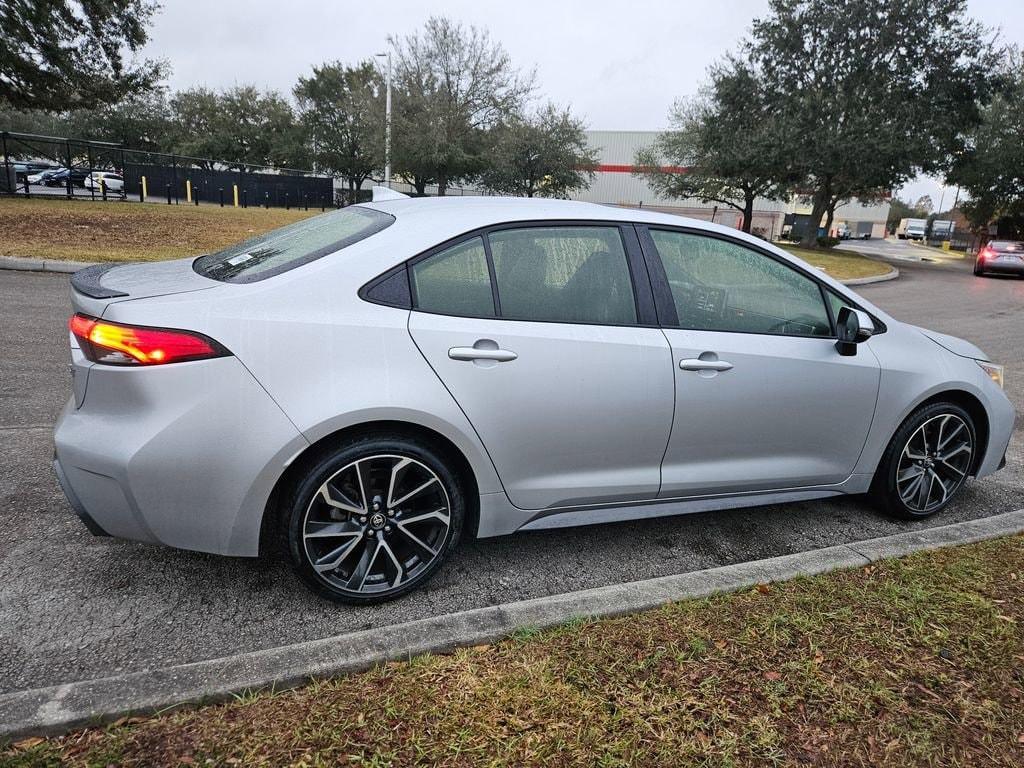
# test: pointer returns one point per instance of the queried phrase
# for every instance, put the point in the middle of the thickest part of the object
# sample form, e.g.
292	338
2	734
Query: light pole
387	122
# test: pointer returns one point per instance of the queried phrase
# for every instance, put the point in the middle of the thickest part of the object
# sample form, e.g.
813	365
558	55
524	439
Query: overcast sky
617	64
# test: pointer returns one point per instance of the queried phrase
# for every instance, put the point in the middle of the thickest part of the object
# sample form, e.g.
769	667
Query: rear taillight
986	253
117	344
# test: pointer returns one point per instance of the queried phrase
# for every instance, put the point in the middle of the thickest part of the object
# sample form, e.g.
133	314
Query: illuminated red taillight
986	253
117	344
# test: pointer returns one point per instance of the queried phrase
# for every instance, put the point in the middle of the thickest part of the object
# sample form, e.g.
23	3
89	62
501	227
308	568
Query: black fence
959	240
48	165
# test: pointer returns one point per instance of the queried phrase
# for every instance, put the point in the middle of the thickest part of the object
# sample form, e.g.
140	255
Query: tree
237	126
721	146
342	109
32	121
873	92
452	84
544	154
57	55
138	122
924	203
991	168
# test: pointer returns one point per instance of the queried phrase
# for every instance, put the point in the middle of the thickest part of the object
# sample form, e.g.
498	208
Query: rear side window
288	247
455	281
563	274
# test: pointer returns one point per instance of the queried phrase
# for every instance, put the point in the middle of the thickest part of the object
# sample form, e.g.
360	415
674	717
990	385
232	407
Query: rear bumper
1003	268
94	528
184	455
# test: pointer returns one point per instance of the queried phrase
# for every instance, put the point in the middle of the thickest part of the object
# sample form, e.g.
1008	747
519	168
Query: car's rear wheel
926	462
978	270
375	519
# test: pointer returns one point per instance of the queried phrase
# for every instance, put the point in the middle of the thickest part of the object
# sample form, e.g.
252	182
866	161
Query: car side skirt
498	517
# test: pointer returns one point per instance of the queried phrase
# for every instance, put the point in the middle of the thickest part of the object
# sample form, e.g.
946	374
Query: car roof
467	212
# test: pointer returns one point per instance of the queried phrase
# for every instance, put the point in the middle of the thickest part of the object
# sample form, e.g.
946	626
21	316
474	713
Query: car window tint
718	285
455	281
288	247
563	274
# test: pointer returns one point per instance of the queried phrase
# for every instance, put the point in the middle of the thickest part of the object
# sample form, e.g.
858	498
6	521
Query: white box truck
911	229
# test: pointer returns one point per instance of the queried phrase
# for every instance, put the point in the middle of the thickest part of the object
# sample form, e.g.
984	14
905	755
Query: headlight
995	372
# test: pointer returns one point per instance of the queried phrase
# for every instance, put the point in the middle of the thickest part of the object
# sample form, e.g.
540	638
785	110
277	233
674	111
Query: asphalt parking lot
75	607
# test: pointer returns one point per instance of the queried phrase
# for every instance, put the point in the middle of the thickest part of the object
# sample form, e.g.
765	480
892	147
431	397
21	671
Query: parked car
42	176
1000	256
112	181
59	179
377	382
22	170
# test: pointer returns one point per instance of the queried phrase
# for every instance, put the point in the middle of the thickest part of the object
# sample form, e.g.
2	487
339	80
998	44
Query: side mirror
852	327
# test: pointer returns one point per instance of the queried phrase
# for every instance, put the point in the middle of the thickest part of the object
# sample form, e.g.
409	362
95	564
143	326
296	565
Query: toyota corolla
372	384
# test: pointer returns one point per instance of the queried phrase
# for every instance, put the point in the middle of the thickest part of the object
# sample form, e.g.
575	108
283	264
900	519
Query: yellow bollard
188	190
945	245
234	188
145	190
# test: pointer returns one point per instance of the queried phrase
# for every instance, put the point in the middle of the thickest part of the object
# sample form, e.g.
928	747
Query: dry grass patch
841	265
918	661
124	231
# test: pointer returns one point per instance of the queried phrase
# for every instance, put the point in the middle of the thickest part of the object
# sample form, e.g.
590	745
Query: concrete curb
43	265
60	708
892	274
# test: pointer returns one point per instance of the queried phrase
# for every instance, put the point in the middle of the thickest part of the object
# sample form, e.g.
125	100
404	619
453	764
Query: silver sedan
368	386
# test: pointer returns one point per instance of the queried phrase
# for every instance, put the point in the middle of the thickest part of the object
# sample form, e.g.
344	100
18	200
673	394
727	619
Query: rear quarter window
289	247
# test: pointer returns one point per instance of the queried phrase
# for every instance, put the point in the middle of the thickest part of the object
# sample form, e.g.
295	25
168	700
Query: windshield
1004	245
282	249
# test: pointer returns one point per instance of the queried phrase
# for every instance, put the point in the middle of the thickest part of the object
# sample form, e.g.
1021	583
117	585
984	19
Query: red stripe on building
632	168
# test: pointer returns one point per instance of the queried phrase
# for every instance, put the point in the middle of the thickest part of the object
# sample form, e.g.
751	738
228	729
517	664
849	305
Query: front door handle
696	364
477	353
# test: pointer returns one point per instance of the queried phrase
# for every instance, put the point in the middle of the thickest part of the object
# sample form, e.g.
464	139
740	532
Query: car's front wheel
926	462
374	519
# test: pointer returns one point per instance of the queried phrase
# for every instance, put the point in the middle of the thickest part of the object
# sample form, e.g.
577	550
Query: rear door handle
476	353
695	364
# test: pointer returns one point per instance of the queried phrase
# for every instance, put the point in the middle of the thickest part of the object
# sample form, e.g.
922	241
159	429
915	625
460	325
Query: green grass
80	230
917	661
841	265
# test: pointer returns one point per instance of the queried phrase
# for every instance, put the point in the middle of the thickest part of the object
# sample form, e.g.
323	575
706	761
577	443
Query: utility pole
387	121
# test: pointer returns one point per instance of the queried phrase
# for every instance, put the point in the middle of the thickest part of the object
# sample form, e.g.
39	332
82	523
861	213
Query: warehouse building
615	184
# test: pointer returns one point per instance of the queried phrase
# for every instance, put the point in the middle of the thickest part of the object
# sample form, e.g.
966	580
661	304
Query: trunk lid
95	288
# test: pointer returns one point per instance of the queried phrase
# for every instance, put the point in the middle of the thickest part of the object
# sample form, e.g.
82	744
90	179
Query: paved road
902	250
76	607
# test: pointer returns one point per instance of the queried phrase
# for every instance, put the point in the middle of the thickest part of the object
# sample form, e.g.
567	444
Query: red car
1001	256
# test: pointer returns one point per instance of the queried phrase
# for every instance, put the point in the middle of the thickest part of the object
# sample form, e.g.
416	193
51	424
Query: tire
350	542
929	444
978	270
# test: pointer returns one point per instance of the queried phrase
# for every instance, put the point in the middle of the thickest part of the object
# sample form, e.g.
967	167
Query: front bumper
184	455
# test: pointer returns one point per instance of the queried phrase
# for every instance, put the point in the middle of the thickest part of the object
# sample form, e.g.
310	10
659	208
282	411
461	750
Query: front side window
288	247
569	274
718	285
455	281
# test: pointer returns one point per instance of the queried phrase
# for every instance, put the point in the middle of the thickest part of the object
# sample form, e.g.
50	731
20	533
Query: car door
548	342
764	400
